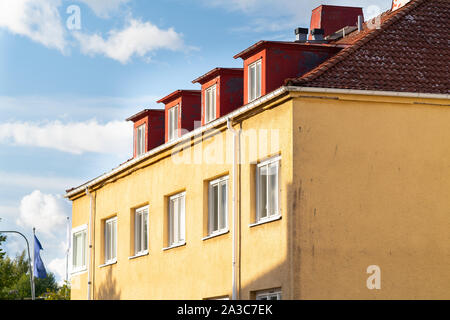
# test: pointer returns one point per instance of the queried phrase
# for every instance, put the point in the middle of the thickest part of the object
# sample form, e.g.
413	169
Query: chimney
301	34
317	34
334	18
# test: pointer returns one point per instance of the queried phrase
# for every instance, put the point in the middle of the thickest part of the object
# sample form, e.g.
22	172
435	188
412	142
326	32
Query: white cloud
38	20
46	212
114	137
58	267
73	107
14	245
136	39
41	21
103	8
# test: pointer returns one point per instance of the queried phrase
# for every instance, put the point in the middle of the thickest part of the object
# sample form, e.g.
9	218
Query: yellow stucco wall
372	181
202	268
364	181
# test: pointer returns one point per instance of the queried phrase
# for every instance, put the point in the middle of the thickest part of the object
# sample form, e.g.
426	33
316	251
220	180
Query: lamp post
29	261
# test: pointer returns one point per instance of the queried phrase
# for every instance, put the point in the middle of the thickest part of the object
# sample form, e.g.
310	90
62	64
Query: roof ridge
328	64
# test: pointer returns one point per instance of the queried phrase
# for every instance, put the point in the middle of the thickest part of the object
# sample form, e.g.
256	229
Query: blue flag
39	269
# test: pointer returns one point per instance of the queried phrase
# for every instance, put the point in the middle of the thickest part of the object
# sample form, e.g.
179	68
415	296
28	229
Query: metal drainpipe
90	244
234	208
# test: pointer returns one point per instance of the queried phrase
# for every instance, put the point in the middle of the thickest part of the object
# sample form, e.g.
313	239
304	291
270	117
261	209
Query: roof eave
176	94
216	72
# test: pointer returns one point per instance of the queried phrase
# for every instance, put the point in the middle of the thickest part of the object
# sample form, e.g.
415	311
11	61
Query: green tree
15	279
23	286
7	277
2	239
62	293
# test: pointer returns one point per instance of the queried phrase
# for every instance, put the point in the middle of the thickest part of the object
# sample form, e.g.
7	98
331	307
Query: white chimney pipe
360	23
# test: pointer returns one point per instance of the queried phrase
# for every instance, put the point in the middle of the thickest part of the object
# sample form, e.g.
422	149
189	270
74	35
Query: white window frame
275	161
75	231
211	228
210	99
143	243
177	236
267	294
255	88
173	122
140	140
110	242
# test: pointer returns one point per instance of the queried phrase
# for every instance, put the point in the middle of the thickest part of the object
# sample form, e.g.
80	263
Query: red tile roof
262	44
410	52
143	113
215	72
178	93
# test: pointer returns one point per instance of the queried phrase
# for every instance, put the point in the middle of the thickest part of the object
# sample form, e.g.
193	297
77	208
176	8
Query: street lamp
29	261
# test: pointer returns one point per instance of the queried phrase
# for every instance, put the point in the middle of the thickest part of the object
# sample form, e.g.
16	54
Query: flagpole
67	250
33	288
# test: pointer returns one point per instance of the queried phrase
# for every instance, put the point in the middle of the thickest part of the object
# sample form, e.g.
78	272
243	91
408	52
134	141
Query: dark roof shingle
410	52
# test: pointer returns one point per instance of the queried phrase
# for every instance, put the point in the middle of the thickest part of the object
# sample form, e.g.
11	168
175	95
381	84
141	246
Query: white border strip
370	92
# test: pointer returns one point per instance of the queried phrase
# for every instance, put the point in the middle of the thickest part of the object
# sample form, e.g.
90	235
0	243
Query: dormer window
254	80
140	140
148	128
173	123
183	109
210	104
222	92
267	64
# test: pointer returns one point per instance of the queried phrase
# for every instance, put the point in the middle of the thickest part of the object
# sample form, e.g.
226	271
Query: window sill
213	235
110	263
138	255
175	246
271	219
78	272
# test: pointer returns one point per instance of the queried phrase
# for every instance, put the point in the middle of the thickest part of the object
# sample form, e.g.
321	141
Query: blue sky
64	92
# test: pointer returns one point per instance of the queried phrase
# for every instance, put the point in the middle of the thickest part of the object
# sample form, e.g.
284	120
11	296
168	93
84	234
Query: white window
210	104
111	240
141	231
274	294
140	140
177	219
79	248
218	205
173	123
267	189
254	80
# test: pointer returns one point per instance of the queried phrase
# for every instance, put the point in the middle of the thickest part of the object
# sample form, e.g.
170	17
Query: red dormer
148	130
268	63
222	92
183	109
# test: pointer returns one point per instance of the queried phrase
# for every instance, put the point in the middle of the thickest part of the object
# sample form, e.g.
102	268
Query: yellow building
332	186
